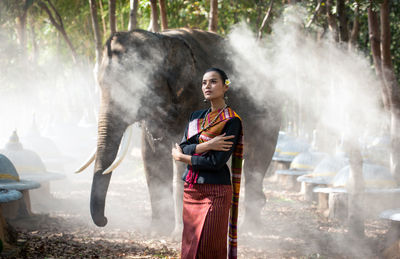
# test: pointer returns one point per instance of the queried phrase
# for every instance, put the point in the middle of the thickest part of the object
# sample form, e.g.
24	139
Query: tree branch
96	30
60	22
163	13
314	14
213	16
113	24
132	14
154	27
356	27
332	20
59	27
264	22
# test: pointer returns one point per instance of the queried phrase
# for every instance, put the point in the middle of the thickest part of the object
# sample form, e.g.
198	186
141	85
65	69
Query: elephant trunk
110	131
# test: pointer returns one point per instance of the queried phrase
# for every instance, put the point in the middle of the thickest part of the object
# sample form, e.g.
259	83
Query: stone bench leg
323	201
19	208
392	247
10	209
338	206
289	182
307	191
274	166
4	234
25	206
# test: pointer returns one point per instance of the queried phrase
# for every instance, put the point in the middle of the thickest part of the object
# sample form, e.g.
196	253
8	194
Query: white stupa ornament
13	143
45	147
27	162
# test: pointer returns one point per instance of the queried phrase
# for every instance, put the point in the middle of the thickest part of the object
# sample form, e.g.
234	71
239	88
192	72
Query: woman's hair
219	71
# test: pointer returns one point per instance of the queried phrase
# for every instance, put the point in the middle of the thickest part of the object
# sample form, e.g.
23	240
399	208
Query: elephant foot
176	234
160	228
252	225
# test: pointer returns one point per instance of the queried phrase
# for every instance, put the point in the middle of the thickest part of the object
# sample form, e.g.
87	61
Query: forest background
36	30
36	34
49	39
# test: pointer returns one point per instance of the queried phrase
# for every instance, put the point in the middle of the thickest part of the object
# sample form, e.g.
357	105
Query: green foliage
395	31
252	12
184	13
180	13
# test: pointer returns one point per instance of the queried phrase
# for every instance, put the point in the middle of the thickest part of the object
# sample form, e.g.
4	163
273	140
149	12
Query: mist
318	84
56	102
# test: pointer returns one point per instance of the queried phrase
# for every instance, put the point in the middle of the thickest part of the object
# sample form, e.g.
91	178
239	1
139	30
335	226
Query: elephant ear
179	68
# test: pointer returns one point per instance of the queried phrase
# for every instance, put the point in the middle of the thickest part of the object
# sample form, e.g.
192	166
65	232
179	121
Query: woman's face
212	86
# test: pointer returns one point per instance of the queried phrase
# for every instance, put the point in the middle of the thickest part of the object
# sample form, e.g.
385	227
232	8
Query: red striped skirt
205	220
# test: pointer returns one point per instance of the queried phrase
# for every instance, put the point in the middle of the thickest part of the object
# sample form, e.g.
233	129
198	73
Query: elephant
155	79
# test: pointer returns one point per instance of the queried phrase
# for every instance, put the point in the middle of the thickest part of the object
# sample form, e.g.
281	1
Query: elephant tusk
88	162
126	139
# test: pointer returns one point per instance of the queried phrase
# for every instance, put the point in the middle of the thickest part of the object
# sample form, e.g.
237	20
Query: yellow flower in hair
227	82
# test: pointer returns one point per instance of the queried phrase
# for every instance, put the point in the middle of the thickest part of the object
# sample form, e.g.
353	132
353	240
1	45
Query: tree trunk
264	22
58	25
154	27
213	16
343	23
236	5
375	42
21	30
121	15
21	26
332	20
103	21
35	55
385	36
96	31
355	189
355	32
163	13
133	14
113	26
393	90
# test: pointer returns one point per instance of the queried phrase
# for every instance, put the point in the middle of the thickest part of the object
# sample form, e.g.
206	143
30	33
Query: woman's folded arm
215	160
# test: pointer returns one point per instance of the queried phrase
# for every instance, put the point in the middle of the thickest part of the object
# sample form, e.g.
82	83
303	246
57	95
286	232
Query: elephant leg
159	173
254	172
179	168
258	156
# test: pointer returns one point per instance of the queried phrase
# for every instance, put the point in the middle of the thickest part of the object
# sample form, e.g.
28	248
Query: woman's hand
178	155
220	143
177	152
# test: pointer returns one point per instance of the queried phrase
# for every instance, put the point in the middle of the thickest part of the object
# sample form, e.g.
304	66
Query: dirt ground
291	228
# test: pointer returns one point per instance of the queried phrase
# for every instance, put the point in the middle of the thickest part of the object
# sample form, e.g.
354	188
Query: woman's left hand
176	152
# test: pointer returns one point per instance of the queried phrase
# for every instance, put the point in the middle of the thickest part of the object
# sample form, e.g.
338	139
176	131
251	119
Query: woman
212	136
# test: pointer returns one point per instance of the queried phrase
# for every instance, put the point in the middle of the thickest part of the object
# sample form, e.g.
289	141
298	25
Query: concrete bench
309	183
287	178
303	163
6	196
392	243
30	166
287	148
321	176
335	200
21	207
10	180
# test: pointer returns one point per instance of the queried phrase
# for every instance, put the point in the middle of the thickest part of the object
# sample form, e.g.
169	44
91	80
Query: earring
226	97
205	100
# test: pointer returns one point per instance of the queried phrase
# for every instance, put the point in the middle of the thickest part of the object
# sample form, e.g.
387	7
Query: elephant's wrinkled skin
171	65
